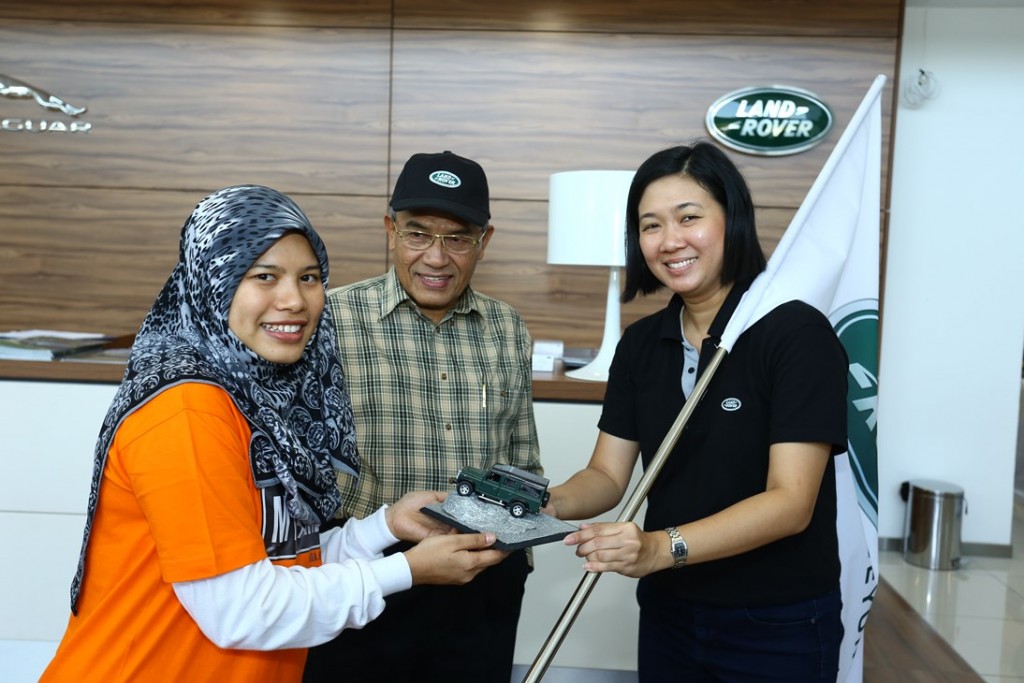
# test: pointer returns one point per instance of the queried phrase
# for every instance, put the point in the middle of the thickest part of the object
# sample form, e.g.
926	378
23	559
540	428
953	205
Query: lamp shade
587	227
587	218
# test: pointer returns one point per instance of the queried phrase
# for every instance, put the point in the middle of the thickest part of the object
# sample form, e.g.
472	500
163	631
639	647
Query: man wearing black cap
440	377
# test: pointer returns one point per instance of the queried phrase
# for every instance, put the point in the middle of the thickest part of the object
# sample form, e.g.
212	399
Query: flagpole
629	511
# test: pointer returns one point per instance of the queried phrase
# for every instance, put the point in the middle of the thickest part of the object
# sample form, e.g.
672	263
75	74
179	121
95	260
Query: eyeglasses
453	244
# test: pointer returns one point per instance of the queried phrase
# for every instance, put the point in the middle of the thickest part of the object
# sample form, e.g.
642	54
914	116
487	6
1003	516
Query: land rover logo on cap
445	179
770	121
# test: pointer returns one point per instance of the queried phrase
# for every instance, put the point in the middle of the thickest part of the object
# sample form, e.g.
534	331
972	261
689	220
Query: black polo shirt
783	381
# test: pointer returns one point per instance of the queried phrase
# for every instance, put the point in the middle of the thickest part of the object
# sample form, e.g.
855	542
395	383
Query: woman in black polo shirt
747	500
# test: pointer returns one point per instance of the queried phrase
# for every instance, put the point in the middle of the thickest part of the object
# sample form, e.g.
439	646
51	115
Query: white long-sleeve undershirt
263	606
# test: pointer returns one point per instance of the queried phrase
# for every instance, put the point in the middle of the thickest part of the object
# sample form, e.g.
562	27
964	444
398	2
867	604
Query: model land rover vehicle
518	490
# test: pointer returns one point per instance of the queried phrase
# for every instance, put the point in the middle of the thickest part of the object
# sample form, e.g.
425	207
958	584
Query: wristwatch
677	546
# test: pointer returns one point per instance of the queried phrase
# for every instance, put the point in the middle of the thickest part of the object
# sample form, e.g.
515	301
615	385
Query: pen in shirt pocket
483	396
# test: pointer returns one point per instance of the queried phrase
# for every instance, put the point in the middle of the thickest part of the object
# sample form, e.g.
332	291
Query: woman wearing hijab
202	557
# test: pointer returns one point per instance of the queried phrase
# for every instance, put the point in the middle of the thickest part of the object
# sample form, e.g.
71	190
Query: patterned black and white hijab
300	414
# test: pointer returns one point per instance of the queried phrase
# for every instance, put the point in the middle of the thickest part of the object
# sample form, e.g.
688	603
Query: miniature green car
518	490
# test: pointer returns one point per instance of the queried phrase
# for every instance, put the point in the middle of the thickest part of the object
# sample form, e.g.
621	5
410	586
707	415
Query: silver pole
629	511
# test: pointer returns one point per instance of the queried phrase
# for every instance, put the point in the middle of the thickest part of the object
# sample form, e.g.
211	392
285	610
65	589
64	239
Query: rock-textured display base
470	514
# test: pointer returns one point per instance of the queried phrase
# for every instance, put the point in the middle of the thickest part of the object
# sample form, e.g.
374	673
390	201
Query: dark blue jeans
684	641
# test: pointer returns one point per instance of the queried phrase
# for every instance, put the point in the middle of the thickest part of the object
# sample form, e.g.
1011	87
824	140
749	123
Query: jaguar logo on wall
16	89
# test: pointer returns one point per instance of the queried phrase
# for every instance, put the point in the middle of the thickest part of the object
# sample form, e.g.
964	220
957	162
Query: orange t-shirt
177	503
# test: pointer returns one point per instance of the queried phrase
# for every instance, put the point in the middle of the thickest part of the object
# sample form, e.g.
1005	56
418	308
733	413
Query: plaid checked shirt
429	398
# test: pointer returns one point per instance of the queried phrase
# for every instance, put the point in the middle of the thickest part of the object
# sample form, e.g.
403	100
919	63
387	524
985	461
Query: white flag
829	258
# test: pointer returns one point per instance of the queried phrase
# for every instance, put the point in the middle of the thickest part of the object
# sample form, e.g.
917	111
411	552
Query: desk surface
547	386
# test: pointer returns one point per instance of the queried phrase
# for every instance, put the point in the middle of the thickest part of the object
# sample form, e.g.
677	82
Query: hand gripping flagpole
756	302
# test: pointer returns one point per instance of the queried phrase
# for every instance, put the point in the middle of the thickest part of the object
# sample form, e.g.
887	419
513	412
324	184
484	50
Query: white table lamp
587	227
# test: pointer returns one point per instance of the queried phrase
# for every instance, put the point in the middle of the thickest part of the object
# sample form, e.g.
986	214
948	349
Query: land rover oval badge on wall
770	121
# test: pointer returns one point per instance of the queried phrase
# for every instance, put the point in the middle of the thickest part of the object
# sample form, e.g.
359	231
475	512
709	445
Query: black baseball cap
443	181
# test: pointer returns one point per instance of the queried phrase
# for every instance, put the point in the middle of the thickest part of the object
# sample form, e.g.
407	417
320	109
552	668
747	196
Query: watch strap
677	546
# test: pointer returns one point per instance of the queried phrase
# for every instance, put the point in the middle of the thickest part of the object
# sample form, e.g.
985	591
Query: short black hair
710	168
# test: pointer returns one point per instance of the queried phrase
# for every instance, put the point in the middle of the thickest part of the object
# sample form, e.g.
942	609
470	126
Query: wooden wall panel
320	13
95	261
528	105
326	100
736	17
203	107
878	18
559	302
352	228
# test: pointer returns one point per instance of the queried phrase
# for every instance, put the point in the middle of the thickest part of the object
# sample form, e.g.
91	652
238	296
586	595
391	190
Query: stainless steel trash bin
934	518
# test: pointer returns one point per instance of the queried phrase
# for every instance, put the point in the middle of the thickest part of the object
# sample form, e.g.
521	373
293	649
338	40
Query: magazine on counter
48	345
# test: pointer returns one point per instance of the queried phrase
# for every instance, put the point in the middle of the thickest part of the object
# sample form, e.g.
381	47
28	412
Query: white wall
953	318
